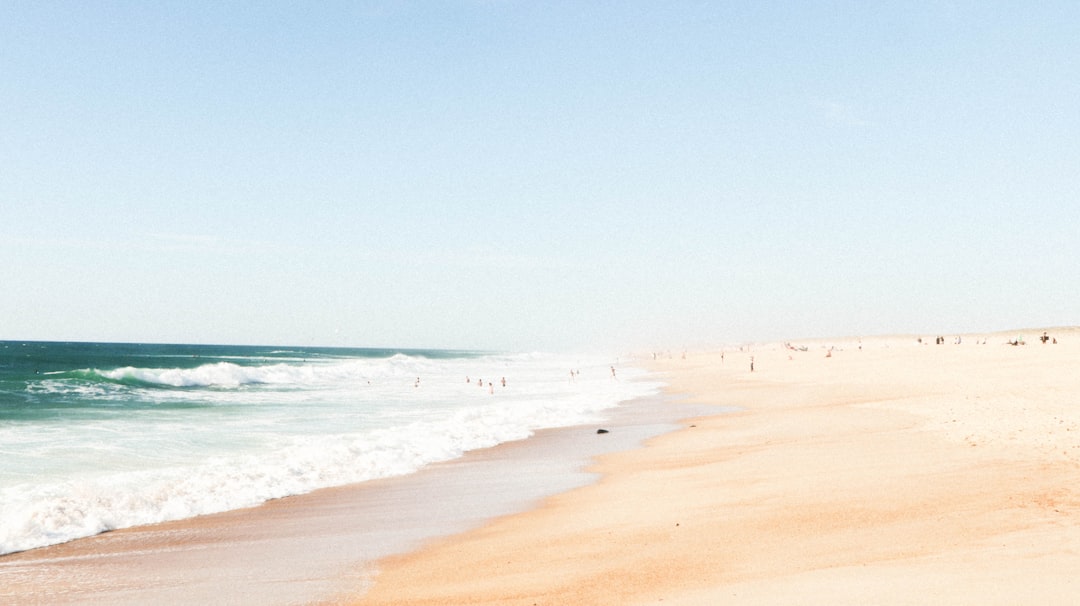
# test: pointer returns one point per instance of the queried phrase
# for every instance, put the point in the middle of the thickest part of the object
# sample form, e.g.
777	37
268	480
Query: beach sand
882	471
876	471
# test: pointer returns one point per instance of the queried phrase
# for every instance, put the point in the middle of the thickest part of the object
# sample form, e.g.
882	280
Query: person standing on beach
751	363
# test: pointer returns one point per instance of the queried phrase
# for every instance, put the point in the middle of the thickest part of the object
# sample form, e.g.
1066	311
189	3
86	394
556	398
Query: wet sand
875	471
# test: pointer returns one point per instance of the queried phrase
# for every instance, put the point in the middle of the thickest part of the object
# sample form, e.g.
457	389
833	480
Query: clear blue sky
523	175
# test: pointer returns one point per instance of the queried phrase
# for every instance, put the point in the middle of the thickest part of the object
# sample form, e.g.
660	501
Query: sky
495	174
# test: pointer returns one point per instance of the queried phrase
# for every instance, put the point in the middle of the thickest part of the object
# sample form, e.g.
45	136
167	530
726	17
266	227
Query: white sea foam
223	374
264	432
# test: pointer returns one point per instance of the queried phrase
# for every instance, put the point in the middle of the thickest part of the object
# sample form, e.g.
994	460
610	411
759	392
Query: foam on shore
304	548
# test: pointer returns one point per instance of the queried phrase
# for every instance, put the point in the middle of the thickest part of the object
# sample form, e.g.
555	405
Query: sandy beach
876	470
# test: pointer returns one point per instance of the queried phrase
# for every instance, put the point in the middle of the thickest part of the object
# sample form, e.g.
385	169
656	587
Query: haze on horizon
508	175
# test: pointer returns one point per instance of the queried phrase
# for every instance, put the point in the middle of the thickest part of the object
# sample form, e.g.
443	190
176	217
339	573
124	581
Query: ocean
102	436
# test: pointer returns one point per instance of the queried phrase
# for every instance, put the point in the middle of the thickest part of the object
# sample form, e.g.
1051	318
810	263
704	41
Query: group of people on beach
1045	338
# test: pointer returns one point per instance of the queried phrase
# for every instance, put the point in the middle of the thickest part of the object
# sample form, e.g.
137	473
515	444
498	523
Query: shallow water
97	437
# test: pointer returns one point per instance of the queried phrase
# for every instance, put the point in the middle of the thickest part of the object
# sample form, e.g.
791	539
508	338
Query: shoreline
869	471
310	547
852	471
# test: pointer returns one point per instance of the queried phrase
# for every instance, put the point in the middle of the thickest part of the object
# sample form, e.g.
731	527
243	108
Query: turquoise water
42	380
98	436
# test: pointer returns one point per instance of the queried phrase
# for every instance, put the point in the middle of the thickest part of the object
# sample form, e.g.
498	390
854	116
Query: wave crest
220	374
